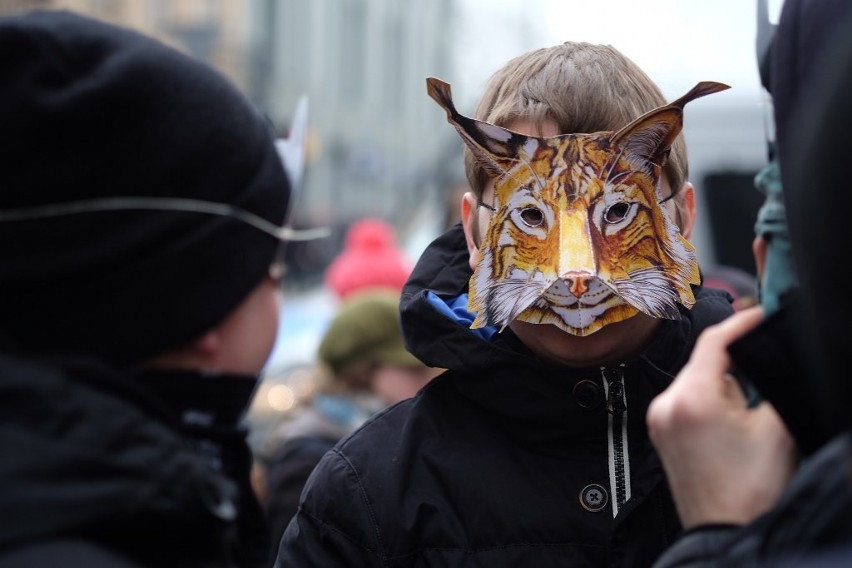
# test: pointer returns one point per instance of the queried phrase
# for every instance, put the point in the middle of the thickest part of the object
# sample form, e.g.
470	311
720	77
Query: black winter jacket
505	459
809	527
97	471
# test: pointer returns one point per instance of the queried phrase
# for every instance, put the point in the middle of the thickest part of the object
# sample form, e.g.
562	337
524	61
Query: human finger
705	383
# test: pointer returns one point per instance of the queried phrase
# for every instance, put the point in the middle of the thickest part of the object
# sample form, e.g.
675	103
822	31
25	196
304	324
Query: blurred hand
725	463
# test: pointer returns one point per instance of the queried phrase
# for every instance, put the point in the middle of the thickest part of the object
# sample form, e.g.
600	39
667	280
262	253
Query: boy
532	450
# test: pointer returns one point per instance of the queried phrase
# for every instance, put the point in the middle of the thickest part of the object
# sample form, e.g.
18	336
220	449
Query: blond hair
580	86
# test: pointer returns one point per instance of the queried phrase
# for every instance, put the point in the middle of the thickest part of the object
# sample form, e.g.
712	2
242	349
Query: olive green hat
366	331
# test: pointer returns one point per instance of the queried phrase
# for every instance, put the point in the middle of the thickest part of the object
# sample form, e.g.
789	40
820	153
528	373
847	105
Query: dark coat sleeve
286	475
335	525
702	547
69	552
811	517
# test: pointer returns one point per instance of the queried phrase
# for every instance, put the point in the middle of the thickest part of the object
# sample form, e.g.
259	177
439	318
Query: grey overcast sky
677	42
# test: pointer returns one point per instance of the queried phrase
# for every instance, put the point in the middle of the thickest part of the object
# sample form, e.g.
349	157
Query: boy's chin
608	345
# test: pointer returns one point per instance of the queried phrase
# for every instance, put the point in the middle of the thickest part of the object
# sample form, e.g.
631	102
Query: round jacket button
587	394
593	497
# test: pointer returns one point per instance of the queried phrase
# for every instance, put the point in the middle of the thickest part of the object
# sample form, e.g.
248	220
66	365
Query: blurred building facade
363	64
375	136
216	31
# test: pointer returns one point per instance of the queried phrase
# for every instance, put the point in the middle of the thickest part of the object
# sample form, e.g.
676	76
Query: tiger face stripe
578	238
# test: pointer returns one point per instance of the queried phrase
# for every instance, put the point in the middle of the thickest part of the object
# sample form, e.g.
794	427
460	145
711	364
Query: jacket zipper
619	457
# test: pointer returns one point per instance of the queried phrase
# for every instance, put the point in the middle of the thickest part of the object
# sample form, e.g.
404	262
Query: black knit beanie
89	110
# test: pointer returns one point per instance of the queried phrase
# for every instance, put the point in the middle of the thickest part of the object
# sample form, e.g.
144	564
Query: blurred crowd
361	366
554	381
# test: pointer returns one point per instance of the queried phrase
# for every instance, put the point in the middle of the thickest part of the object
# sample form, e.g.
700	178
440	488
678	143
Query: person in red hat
371	257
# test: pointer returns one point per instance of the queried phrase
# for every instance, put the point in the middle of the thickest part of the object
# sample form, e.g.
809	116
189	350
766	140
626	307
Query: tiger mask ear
496	148
649	138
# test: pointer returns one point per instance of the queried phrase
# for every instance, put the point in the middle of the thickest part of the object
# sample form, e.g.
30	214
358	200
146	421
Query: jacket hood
435	319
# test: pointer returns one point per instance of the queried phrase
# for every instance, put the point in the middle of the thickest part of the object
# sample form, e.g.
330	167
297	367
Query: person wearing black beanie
142	199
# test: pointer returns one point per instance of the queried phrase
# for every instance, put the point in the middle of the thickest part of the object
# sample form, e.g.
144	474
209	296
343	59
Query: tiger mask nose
578	282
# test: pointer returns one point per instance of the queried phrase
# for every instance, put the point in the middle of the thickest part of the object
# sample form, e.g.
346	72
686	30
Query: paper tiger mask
578	237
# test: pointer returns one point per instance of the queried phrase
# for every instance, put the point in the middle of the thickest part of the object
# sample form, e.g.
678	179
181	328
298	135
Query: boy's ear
687	210
470	223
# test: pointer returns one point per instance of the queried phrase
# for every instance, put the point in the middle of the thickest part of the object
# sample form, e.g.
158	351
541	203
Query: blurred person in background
140	216
371	257
769	483
741	285
532	449
364	367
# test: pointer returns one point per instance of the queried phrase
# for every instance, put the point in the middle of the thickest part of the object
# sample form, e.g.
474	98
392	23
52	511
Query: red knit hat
370	258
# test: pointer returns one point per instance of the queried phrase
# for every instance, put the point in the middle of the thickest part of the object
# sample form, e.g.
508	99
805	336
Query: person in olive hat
364	367
141	213
364	348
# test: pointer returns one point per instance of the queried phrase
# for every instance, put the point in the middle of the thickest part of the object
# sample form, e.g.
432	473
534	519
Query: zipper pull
614	378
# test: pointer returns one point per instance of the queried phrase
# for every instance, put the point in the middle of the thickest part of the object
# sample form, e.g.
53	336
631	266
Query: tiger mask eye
531	216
